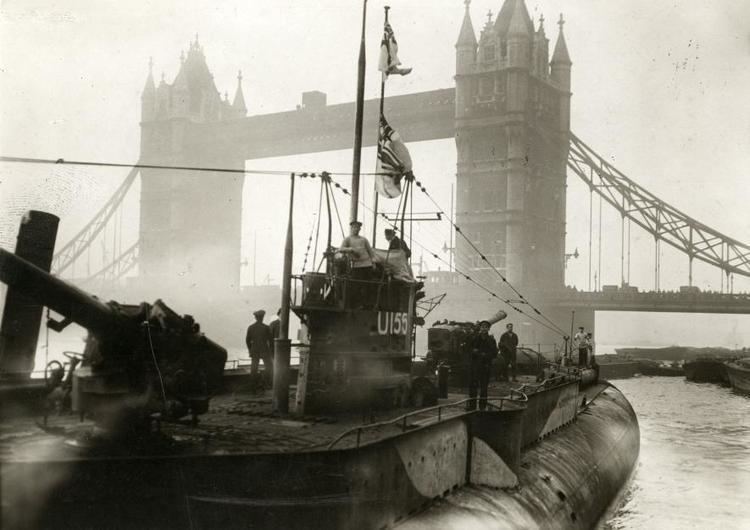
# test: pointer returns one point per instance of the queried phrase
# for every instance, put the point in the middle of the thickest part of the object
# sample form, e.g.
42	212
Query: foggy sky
658	88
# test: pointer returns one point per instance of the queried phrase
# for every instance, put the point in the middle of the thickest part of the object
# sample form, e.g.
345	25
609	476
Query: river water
694	465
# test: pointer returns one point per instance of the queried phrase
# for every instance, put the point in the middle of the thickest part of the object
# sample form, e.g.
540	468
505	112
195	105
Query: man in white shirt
362	260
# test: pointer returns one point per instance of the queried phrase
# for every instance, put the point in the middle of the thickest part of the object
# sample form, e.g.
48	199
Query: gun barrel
50	291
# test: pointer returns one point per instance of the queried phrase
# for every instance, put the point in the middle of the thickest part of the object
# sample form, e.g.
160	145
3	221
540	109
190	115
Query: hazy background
660	89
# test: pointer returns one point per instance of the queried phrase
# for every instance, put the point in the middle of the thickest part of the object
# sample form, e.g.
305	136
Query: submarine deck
244	423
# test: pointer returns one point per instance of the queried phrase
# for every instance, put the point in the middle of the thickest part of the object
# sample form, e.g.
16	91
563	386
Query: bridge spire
540	53
560	64
520	21
466	37
149	88
512	9
239	100
520	34
561	55
148	96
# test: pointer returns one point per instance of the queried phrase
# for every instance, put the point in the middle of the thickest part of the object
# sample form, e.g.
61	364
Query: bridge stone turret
190	220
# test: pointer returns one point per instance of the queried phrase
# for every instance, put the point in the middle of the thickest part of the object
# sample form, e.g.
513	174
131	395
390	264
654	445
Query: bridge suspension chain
120	266
67	255
663	221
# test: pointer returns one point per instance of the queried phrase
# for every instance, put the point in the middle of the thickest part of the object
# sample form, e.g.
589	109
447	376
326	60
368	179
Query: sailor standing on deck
581	342
590	345
508	345
275	326
259	342
482	349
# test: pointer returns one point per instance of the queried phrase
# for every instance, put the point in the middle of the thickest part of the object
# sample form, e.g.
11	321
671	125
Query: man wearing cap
362	259
259	342
396	243
508	345
482	349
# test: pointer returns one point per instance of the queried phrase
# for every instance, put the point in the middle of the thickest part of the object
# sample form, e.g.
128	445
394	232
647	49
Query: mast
358	119
451	249
282	344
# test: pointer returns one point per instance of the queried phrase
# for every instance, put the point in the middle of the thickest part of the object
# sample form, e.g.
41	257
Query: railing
542	347
530	388
232	364
402	420
319	290
709	296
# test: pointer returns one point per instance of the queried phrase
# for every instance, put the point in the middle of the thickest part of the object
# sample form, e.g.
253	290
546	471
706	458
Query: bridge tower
512	130
190	221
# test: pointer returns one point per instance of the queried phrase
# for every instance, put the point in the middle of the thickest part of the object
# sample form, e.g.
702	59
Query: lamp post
574	255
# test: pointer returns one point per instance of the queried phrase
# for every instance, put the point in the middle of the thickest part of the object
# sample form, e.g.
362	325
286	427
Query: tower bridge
509	114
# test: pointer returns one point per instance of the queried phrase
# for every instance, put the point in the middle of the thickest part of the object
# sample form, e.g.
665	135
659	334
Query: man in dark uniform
580	341
482	349
259	342
508	345
275	326
395	243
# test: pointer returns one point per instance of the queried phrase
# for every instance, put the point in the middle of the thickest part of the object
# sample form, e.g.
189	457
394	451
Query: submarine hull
566	481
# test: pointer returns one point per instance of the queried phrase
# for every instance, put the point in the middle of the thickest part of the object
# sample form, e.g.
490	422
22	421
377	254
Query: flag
393	163
389	62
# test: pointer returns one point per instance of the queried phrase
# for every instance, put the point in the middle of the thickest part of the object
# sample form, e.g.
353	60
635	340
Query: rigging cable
309	243
317	229
58	161
484	258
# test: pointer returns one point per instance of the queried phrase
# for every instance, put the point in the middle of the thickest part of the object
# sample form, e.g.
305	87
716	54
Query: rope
26	160
46	347
309	242
484	258
317	229
156	364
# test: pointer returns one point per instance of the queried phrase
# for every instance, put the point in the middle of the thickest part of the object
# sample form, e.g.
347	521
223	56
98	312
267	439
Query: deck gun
446	341
138	359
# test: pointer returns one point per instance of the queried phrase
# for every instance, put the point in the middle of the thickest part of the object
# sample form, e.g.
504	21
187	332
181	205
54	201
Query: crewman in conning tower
482	350
362	261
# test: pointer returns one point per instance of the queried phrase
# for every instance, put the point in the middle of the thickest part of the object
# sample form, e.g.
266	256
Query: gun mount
446	341
138	359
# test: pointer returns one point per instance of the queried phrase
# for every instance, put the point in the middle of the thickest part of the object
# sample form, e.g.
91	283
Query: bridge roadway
421	116
660	301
